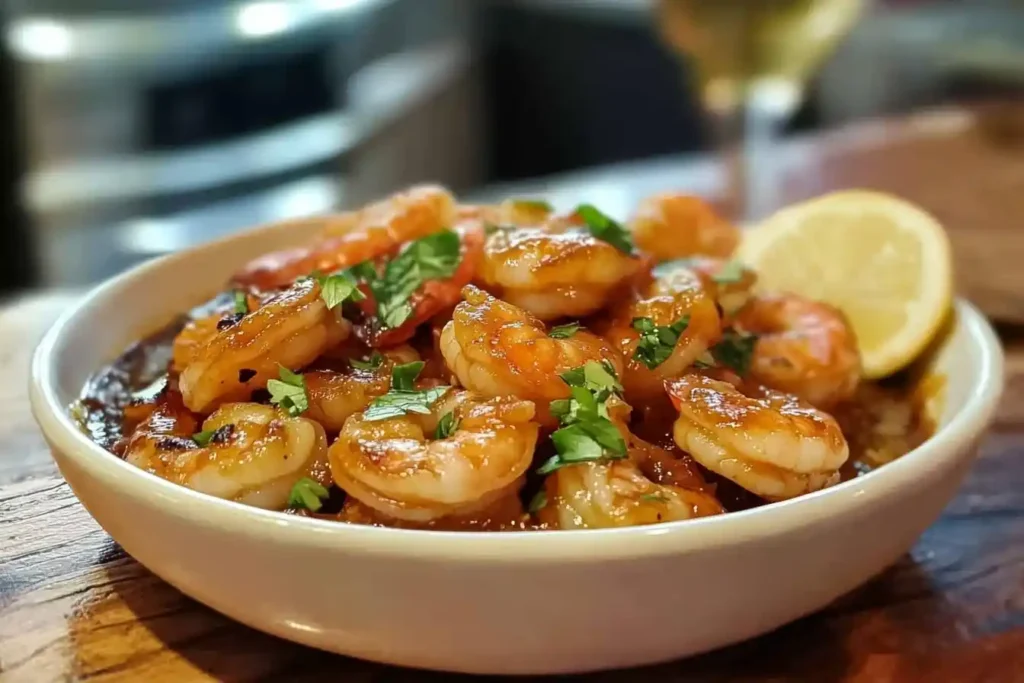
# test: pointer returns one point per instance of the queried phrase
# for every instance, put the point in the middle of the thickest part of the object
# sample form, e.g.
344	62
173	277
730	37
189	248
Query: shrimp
333	397
677	294
346	240
554	273
432	297
398	468
671	226
597	495
497	349
255	454
730	282
504	514
515	212
291	329
770	443
804	347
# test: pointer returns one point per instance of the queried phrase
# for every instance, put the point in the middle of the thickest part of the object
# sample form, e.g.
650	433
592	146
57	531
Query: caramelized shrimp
596	495
677	296
254	454
672	226
554	273
511	212
772	444
397	466
497	349
291	330
335	396
376	230
804	347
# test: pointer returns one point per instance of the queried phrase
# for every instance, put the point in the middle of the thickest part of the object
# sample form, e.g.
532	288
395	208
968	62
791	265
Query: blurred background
133	129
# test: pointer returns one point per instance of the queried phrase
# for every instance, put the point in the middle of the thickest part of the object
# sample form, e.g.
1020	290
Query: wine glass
752	60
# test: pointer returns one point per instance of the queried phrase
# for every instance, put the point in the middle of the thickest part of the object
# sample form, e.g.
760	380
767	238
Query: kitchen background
135	129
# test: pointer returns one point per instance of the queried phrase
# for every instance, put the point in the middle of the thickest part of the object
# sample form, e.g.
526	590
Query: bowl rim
951	442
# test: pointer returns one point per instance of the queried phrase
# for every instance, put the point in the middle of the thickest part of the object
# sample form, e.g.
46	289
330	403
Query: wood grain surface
74	607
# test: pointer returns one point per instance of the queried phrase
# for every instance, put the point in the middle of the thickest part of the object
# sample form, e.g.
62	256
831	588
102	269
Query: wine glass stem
746	137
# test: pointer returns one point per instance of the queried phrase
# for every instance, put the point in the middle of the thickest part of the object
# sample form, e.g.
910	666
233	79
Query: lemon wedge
883	261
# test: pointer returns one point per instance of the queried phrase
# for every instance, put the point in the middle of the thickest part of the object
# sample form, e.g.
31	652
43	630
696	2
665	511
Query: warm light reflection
260	19
39	39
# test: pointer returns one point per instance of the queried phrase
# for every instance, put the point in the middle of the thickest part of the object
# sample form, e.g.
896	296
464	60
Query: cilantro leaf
538	502
339	287
289	392
657	341
241	302
398	402
605	228
654	497
594	376
446	426
564	331
372	363
308	494
203	438
736	350
403	376
731	272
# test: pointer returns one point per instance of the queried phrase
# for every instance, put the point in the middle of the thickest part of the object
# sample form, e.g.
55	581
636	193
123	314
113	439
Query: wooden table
74	607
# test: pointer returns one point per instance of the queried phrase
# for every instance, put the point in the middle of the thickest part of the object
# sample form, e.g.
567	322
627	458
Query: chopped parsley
434	257
564	331
446	426
657	341
605	228
337	288
403	398
731	272
241	302
654	497
203	438
736	350
372	363
538	502
586	433
308	494
289	392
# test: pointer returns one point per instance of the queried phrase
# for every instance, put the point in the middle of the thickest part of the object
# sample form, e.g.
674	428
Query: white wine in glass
752	60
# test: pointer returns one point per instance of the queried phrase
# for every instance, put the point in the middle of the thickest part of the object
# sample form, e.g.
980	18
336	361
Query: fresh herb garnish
534	204
403	376
241	302
705	361
605	228
730	273
434	257
289	392
586	434
654	497
736	350
308	494
337	288
657	341
402	398
203	438
564	331
375	360
538	502
446	426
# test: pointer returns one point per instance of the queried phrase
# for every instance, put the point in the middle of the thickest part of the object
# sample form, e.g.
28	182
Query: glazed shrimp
378	229
596	495
554	273
497	349
676	294
804	347
335	396
291	330
398	468
672	226
513	212
254	455
770	443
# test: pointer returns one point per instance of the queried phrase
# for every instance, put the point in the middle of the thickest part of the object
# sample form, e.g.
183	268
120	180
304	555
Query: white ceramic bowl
493	602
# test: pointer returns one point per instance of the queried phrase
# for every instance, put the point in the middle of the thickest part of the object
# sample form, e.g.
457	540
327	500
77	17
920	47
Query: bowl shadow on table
187	636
